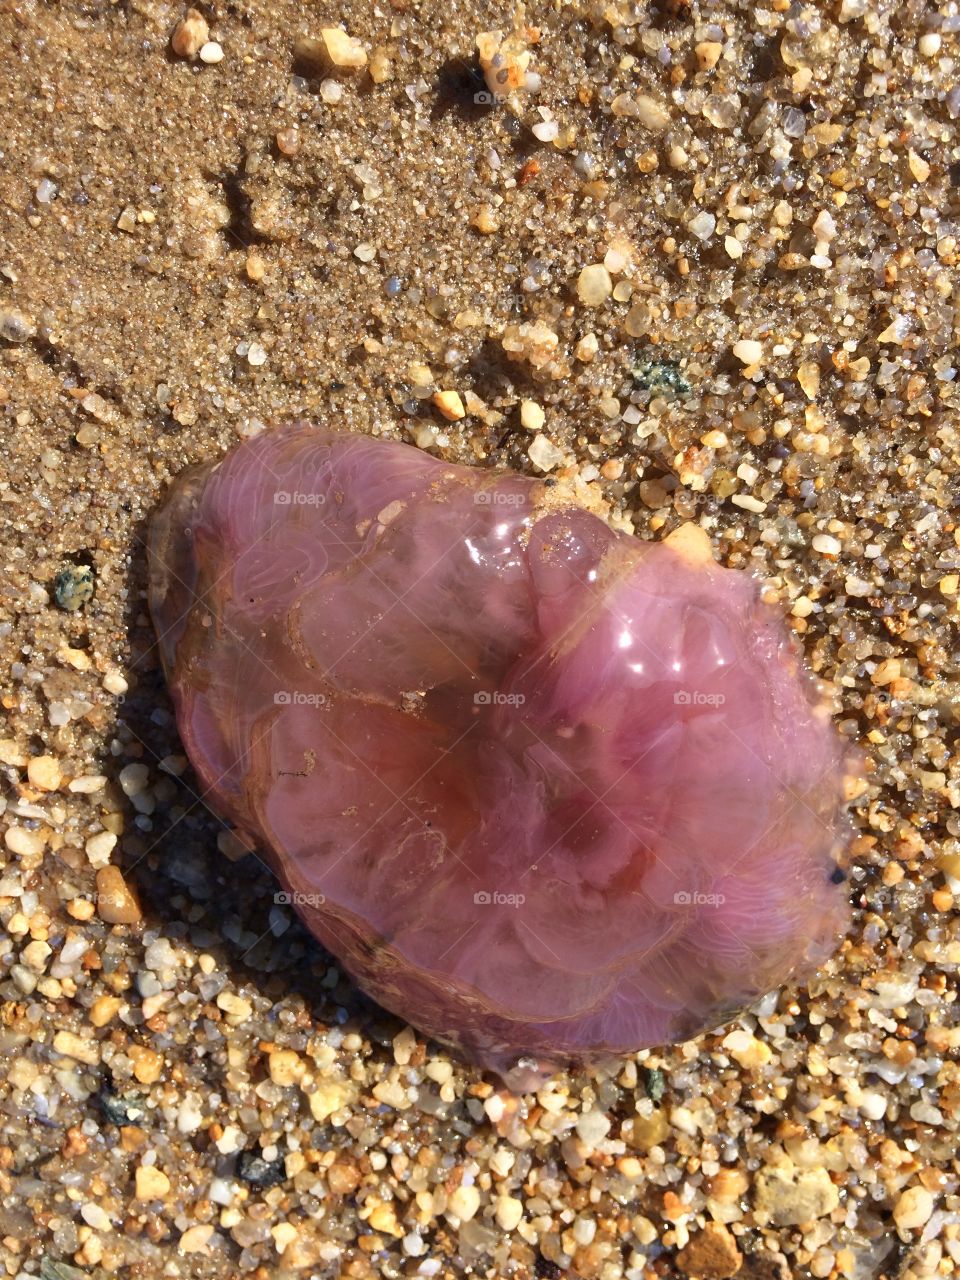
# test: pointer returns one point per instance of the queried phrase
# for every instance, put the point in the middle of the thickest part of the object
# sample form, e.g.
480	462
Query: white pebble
748	350
508	1212
826	544
592	1127
211	53
544	454
464	1202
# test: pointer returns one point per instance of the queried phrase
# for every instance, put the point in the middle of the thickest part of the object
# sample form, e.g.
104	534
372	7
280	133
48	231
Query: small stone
147	1063
104	1009
711	1254
464	1202
708	54
211	53
341	50
703	225
747	1050
99	848
826	545
10	753
383	1218
790	1197
343	1178
808	375
748	350
133	778
73	587
14	326
87	783
115	683
23	842
256	355
196	1239
404	1046
253	1168
116	904
594	285
913	1209
44	772
592	1128
190	34
544	454
330	1096
236	1008
485	220
151	1183
256	267
76	1047
288	141
285	1067
929	44
918	166
532	416
450	405
587	348
652	114
508	1212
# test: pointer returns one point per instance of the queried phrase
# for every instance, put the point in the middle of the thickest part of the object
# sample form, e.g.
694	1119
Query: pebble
594	285
116	904
73	587
789	1196
14	326
22	841
211	53
190	34
748	350
826	544
532	416
508	1212
464	1202
335	49
99	848
151	1183
750	1052
711	1254
708	54
653	115
913	1209
77	1047
285	1067
450	405
544	454
253	1167
44	772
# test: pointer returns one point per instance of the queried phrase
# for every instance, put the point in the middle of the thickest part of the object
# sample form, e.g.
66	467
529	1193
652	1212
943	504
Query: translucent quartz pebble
547	791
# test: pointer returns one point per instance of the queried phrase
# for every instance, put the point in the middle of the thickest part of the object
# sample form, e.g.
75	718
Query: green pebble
662	377
73	587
